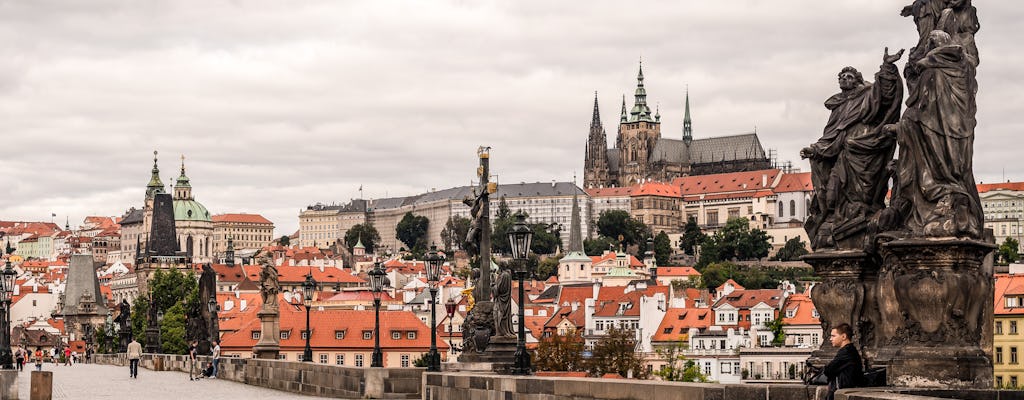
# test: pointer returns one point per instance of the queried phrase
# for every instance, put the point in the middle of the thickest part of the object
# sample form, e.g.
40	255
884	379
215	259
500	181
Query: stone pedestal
269	345
152	340
935	292
846	294
41	385
9	384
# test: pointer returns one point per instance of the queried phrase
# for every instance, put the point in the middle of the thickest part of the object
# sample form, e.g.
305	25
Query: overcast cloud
277	105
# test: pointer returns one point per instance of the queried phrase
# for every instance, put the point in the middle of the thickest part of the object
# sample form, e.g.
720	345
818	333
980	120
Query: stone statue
472	240
958	18
935	194
269	284
849	162
123	315
502	291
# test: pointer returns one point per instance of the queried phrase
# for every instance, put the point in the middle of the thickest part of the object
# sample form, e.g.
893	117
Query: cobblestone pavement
92	381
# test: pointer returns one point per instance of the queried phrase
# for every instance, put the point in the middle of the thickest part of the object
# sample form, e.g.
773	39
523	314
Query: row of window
1010	383
999	355
339	359
1012	325
339	335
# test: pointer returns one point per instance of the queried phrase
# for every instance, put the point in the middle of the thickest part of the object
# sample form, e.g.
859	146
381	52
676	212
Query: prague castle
641	154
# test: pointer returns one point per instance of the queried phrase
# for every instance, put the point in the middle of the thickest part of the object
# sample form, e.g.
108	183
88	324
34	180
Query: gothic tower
638	135
596	160
687	129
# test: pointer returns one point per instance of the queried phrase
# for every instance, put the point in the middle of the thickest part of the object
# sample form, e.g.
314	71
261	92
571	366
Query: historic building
247	231
641	154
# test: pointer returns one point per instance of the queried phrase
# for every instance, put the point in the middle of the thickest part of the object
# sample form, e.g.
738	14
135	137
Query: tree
775	326
1008	251
735	241
285	241
560	353
454	232
677	367
503	210
138	319
546	268
412	230
792	250
173	292
545	241
616	353
172	330
366	233
692	237
618	223
714	275
598	245
662	248
499	231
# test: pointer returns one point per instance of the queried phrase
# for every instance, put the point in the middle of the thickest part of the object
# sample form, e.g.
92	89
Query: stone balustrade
325	380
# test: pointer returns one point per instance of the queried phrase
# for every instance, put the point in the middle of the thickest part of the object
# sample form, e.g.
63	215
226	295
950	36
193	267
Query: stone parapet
324	380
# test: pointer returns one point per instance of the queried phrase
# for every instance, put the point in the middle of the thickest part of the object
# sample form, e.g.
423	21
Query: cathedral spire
625	116
595	121
640	111
575	232
155	185
687	129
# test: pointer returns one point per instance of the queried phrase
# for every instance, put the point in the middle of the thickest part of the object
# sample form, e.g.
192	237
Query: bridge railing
295	377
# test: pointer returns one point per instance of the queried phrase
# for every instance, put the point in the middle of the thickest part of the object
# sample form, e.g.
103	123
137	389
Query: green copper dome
190	210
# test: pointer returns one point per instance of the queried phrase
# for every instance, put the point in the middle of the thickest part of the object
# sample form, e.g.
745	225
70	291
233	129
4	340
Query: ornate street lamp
308	287
377	277
433	262
449	306
108	330
7	282
520	237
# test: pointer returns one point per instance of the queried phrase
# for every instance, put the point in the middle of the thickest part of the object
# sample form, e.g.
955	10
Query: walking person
192	361
846	370
134	354
39	358
67	356
216	358
19	356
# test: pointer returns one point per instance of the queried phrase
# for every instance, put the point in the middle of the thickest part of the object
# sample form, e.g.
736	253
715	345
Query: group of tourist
134	354
24	355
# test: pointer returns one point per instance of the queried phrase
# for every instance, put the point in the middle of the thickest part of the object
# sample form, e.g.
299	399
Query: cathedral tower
596	160
638	136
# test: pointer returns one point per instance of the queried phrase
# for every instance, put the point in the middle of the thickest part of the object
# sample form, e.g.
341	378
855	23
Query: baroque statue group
909	274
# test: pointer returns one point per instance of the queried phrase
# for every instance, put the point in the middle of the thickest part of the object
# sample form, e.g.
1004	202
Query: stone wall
469	386
324	380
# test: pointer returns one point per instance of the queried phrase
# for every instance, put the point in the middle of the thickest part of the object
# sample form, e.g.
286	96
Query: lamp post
449	306
520	238
377	277
433	263
308	287
6	292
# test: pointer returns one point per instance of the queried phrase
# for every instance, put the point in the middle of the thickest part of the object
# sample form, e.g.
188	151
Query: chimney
597	288
575	305
241	305
764	180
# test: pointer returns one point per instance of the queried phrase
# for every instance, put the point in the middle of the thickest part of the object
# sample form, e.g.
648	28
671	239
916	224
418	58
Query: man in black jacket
846	370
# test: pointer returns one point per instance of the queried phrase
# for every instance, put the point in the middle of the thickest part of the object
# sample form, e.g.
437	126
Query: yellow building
1008	342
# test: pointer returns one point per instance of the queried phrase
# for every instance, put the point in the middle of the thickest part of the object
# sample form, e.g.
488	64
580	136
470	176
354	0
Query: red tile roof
677	322
1008	285
241	218
1014	186
803	308
744	299
633	261
798	182
677	271
655	189
630	301
729	281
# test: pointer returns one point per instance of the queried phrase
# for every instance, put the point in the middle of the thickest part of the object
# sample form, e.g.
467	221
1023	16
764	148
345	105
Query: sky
279	105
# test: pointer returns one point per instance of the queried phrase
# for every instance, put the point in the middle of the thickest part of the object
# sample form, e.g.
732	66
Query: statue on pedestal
503	304
269	284
849	163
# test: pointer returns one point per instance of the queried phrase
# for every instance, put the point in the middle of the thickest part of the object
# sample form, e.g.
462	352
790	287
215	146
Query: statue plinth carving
270	325
846	294
940	290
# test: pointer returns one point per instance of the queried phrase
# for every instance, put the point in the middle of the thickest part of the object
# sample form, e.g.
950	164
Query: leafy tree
714	275
618	223
454	232
285	240
677	367
735	241
367	233
412	230
598	245
503	211
499	231
172	330
173	291
138	319
1008	251
103	339
544	240
662	248
546	268
616	353
560	353
775	326
692	237
423	361
792	250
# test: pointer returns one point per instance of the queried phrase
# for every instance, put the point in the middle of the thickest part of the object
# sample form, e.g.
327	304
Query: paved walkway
92	381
